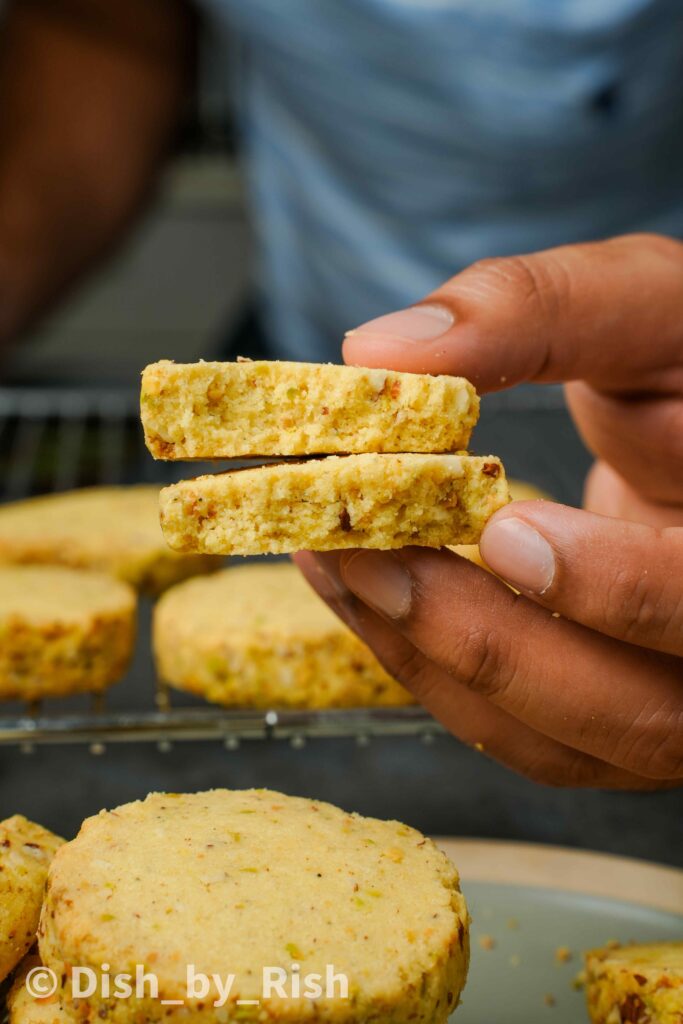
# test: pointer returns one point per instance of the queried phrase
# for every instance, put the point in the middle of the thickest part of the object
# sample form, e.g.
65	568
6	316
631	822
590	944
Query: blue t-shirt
389	143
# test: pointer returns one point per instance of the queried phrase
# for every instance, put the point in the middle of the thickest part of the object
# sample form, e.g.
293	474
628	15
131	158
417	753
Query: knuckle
644	604
541	282
672	428
409	667
632	608
544	771
653	744
570	770
665	758
662	245
479	662
581	772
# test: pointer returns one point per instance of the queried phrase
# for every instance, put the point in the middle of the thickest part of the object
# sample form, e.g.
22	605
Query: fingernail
418	323
380	580
518	553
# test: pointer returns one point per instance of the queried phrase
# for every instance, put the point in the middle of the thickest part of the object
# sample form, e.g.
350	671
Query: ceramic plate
535	909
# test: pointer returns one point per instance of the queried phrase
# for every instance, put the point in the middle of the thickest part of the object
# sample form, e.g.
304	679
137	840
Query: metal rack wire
164	728
57	440
54	440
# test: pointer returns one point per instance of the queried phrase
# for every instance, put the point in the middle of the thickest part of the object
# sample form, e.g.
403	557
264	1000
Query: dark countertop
442	789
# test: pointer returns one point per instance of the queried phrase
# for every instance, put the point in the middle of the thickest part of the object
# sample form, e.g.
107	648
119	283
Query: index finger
608	699
610	313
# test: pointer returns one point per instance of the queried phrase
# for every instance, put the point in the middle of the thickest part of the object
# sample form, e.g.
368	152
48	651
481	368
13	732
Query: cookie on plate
112	529
352	501
253	881
26	850
257	636
639	984
62	631
229	410
23	1007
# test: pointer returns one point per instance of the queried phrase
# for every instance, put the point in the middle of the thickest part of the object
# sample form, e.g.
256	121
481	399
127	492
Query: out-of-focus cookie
352	501
26	850
23	1007
112	529
470	552
244	881
257	636
520	490
62	631
635	984
212	410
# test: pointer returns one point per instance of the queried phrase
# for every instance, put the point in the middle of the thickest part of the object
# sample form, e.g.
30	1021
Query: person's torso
392	142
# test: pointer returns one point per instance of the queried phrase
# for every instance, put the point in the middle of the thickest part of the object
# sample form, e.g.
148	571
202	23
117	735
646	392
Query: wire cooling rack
55	440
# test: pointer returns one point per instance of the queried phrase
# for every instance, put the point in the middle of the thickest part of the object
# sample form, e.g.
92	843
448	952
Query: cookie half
639	984
112	529
228	410
247	881
353	501
62	631
26	850
257	636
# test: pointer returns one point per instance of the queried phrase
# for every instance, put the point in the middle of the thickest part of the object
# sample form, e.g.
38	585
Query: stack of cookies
379	457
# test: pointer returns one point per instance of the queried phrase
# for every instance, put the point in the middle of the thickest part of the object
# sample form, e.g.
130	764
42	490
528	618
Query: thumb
622	579
586	312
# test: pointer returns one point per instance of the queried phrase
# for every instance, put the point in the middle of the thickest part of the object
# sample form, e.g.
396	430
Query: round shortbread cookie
246	881
62	631
26	850
112	529
257	636
636	983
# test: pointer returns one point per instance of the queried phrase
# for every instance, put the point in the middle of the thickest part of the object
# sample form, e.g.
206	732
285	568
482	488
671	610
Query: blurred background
180	285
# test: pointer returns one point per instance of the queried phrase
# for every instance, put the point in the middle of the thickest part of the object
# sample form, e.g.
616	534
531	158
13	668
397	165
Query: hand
578	679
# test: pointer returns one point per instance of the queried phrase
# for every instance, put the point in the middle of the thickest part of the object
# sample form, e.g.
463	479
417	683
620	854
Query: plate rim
564	869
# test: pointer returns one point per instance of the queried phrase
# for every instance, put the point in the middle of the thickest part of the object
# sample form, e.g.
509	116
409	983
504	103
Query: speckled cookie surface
62	631
26	850
25	1008
258	636
242	880
365	501
227	410
637	984
112	529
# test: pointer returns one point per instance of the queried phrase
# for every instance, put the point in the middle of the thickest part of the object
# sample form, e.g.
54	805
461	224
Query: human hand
594	695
